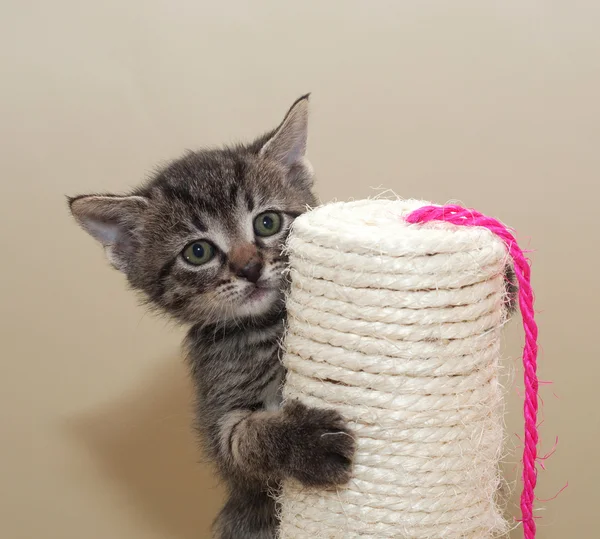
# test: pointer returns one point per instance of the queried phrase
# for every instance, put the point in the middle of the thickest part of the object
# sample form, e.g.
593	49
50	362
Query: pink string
461	216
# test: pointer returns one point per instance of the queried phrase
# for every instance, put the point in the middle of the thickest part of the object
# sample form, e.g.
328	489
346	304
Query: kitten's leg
309	444
248	514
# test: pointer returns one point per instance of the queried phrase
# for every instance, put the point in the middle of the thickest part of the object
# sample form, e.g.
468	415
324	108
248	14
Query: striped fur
236	317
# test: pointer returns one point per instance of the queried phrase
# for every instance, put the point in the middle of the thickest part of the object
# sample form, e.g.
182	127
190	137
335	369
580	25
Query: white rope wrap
397	327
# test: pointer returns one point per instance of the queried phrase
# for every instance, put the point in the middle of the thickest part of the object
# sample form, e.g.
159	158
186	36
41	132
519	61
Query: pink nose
251	271
245	261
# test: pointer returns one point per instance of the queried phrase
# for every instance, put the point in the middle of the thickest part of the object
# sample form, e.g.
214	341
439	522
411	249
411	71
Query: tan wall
491	103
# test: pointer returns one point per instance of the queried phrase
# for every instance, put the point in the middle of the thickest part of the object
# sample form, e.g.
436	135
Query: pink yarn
465	217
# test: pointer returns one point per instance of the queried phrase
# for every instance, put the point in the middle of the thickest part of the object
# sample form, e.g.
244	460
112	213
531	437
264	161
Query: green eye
198	253
267	224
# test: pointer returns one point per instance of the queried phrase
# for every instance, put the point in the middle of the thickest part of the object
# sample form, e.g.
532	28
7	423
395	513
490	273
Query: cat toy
395	316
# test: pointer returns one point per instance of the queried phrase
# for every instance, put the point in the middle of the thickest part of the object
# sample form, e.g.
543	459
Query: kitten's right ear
287	144
114	221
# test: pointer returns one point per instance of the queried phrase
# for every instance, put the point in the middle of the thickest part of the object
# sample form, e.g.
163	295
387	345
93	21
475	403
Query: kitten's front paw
321	447
511	287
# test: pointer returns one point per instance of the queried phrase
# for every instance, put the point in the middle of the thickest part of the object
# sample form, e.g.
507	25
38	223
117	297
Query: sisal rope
397	326
465	217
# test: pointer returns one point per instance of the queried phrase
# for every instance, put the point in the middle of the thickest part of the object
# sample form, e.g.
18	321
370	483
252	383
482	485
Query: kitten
203	241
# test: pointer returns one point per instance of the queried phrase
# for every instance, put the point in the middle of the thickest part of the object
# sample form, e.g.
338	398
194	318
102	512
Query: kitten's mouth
259	293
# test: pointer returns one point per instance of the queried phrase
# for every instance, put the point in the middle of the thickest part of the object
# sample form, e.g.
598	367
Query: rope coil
397	327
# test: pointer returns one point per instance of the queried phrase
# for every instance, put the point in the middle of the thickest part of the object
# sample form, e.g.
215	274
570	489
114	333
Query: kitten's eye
267	224
198	253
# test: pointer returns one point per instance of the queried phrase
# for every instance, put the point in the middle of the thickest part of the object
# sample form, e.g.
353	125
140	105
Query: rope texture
397	326
466	217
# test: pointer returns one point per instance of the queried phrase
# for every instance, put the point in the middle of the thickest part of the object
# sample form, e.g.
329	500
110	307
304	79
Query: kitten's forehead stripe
239	170
177	190
233	193
199	224
249	200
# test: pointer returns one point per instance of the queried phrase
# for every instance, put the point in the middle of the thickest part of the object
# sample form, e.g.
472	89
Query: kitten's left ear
287	145
115	221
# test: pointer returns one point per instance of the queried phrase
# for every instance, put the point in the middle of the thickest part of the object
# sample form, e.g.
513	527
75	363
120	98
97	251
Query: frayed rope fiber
396	324
466	217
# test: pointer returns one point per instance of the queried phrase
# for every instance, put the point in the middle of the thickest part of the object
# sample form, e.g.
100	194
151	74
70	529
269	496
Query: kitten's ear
287	145
114	221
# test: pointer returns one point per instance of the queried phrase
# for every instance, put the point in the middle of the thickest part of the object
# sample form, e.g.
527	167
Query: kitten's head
203	239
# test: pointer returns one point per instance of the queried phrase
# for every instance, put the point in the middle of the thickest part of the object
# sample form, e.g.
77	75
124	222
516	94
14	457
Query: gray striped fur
236	318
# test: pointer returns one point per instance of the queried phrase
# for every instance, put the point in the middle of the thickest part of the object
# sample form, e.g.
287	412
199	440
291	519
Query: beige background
494	104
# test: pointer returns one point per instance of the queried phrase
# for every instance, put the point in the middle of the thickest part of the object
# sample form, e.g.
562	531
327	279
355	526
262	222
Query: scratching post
397	326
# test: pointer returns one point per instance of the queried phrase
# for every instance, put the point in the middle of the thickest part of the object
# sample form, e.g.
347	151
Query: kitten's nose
245	261
252	271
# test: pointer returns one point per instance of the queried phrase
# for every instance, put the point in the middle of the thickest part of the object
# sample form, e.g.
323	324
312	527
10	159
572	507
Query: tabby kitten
203	241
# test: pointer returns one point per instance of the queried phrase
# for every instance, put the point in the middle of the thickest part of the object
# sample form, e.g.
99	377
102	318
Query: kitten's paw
511	288
321	447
